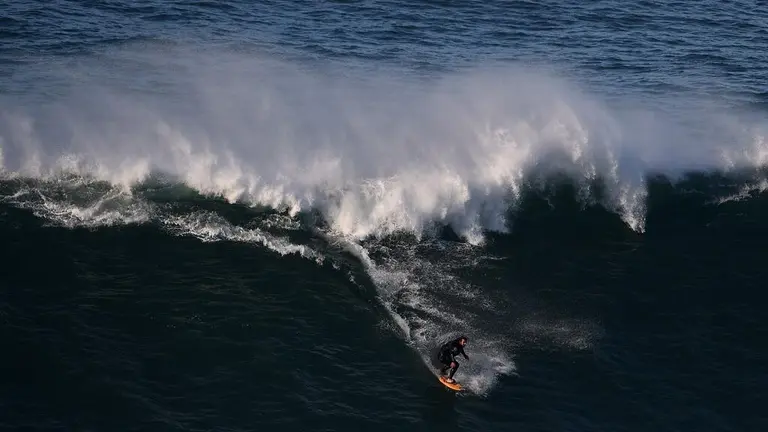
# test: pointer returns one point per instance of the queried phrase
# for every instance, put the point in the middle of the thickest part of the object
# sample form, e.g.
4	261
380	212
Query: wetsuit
447	356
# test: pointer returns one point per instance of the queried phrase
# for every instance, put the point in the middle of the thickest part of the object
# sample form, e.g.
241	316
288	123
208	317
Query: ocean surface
254	216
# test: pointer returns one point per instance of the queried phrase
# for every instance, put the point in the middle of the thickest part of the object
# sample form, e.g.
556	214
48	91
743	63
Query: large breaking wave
375	154
372	154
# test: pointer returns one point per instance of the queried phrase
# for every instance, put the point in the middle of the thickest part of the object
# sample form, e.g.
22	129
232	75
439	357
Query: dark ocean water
231	216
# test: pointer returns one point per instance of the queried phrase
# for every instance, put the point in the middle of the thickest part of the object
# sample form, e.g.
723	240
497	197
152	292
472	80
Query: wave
360	161
374	154
421	283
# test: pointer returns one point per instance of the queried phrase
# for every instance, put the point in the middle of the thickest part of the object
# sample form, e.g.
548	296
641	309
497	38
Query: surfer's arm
464	354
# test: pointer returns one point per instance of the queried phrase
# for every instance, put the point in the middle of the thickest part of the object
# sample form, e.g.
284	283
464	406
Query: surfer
447	356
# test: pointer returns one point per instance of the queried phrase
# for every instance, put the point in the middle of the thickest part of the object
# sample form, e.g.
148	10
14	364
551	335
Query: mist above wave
375	153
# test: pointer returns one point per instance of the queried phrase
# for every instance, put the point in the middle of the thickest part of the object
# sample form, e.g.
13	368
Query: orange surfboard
453	386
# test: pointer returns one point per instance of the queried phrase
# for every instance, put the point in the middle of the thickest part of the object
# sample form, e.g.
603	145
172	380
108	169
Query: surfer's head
463	340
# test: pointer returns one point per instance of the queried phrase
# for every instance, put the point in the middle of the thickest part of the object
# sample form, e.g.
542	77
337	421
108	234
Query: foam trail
375	156
76	203
209	227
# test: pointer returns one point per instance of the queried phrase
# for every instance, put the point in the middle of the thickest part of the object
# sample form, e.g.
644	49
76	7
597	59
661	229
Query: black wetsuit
448	353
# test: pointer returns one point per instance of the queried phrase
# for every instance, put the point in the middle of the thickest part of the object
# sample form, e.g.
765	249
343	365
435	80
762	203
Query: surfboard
453	386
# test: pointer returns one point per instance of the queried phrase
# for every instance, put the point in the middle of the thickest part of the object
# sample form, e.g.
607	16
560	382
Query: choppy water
235	216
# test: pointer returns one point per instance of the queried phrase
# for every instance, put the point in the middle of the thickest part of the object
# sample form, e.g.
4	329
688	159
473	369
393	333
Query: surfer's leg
446	364
444	369
454	366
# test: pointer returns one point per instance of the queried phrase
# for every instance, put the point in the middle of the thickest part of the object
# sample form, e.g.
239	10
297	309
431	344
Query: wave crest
374	154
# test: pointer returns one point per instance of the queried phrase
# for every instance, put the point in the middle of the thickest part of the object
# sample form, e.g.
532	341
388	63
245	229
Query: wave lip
376	154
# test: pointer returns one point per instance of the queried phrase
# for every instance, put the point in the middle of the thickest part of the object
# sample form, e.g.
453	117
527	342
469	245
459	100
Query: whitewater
375	154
